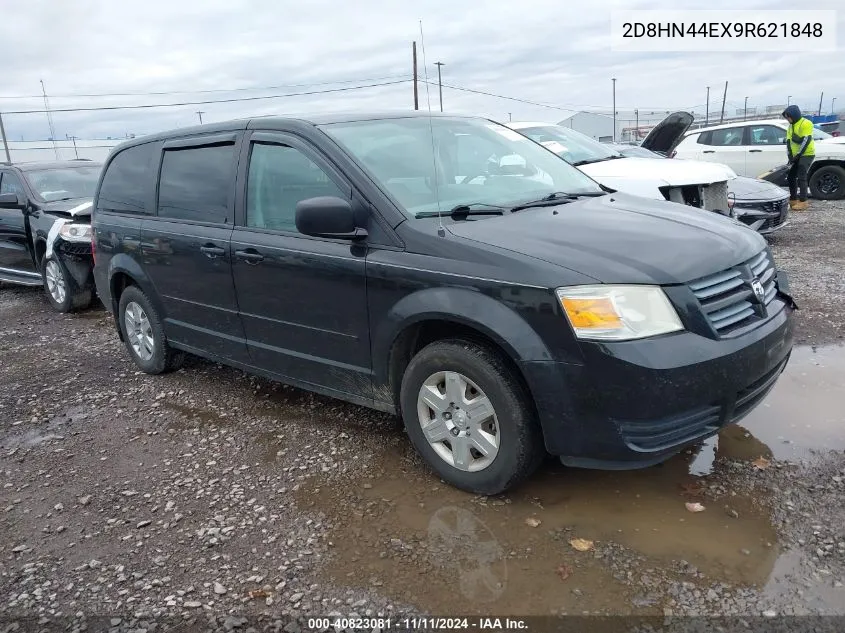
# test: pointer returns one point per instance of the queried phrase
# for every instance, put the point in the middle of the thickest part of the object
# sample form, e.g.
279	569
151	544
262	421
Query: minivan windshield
440	163
65	183
575	148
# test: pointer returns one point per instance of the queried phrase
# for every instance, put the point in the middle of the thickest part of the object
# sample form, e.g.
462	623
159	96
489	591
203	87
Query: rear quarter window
127	180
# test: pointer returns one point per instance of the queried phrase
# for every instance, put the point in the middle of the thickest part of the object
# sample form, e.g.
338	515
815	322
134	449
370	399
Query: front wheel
60	291
828	182
470	418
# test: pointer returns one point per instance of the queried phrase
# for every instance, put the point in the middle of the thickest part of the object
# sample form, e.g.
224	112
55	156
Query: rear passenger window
196	183
279	177
127	180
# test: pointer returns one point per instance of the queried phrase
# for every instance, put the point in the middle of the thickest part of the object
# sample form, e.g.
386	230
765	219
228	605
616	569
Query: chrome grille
727	297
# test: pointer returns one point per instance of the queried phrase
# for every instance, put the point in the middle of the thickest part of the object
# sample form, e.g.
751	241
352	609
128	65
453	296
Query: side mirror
327	216
12	201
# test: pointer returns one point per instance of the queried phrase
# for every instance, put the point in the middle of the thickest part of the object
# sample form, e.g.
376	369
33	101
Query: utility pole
832	101
707	108
788	100
724	97
49	120
416	93
440	83
820	103
6	143
199	114
745	110
637	124
73	138
510	118
614	109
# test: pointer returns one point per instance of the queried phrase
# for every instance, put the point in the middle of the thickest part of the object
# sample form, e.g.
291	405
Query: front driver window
279	177
727	136
9	183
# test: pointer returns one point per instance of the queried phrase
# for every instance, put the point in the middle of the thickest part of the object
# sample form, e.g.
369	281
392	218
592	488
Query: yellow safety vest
801	128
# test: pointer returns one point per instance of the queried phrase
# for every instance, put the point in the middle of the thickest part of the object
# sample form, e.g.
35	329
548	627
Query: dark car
447	269
45	229
761	205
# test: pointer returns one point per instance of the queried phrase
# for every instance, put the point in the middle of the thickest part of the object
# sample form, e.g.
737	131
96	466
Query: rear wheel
59	289
143	334
469	417
828	182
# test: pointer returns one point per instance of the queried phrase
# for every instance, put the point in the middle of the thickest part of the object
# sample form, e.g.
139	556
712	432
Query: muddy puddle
804	413
20	436
398	529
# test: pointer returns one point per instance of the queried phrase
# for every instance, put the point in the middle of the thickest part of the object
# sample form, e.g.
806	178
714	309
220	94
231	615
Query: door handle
211	251
755	150
250	256
708	151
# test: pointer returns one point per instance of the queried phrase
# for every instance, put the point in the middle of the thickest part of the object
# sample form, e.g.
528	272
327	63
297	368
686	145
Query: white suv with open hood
755	148
695	183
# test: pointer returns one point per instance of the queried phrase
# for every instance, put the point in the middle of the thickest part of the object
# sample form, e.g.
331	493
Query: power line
145	106
207	91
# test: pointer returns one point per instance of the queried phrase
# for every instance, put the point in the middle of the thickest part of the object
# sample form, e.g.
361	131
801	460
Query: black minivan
447	269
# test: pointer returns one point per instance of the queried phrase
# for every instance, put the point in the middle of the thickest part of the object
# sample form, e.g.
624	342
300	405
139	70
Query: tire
55	277
146	342
513	423
823	182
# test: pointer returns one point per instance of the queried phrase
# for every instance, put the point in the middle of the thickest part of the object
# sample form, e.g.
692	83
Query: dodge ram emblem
758	289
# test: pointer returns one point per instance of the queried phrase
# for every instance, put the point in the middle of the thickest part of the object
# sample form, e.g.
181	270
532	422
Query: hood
836	140
754	189
673	173
73	208
622	239
793	112
666	135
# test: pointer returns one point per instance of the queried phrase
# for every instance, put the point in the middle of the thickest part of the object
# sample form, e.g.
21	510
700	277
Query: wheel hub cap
458	421
139	331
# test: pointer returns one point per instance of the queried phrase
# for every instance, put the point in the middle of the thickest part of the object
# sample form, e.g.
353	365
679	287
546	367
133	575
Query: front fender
462	306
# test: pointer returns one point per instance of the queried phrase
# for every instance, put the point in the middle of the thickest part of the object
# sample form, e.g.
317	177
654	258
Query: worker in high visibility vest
801	151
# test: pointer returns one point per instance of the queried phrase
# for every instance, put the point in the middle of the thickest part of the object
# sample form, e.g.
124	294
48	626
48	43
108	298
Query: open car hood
666	135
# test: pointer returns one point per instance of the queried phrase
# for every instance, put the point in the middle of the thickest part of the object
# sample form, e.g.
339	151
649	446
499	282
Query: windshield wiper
556	198
463	210
588	161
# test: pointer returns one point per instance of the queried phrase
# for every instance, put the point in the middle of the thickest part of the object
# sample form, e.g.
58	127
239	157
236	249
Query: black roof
55	164
271	122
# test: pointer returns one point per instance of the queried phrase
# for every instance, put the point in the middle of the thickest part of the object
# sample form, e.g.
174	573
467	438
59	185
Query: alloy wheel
139	331
55	281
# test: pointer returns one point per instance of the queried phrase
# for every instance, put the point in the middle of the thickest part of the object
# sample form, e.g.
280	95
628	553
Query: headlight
618	313
76	232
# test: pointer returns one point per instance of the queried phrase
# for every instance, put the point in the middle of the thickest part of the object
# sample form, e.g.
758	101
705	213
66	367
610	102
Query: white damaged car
695	183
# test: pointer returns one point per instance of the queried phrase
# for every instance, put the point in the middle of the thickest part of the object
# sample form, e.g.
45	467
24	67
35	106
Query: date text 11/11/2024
415	624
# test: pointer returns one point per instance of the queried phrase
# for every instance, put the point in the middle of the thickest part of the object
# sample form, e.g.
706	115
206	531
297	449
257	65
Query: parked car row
756	148
447	269
642	171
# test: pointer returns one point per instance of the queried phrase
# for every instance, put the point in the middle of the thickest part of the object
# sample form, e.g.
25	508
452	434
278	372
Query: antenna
440	229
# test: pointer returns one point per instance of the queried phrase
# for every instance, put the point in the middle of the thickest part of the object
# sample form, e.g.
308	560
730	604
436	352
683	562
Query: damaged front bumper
77	260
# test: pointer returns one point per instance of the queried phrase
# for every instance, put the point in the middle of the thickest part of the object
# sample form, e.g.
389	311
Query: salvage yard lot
209	491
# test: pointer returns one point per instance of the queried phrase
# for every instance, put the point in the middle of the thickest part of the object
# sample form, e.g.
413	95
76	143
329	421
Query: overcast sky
553	52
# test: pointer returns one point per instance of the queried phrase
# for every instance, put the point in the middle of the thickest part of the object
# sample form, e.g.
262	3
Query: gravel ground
811	249
213	498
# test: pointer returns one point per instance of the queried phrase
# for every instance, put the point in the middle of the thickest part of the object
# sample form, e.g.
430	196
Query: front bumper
764	216
78	262
633	404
